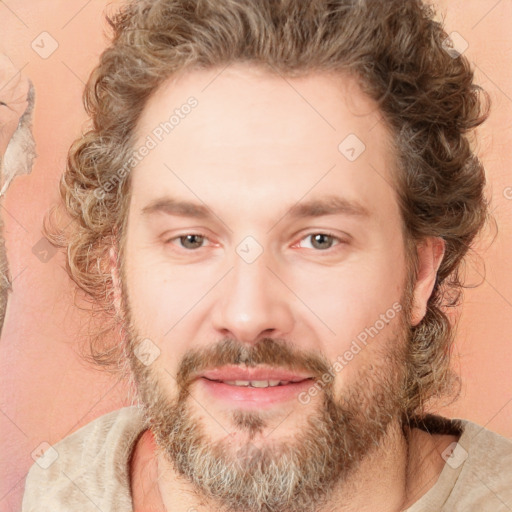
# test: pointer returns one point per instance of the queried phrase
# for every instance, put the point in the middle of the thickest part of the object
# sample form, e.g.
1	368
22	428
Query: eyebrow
329	205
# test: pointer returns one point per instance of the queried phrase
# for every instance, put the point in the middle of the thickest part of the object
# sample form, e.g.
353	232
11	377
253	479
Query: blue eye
322	241
319	240
190	241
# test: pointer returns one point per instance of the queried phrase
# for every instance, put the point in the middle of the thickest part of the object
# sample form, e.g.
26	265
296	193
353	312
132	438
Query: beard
293	476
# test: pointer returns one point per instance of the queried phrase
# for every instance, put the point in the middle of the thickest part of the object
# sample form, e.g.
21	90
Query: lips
248	388
253	388
237	375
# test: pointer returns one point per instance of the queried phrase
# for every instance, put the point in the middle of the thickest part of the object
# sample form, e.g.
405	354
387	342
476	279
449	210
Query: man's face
262	289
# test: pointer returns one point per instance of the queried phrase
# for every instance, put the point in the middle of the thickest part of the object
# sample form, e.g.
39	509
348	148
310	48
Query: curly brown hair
398	52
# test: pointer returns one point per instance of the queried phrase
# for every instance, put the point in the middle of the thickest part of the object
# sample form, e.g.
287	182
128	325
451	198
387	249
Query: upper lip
231	373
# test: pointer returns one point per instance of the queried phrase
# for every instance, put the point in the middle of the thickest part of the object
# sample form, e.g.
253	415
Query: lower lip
247	396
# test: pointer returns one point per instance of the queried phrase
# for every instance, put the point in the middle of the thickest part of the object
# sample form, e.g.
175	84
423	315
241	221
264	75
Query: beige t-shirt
89	471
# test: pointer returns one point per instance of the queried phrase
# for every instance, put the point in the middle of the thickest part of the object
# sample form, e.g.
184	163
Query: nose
252	302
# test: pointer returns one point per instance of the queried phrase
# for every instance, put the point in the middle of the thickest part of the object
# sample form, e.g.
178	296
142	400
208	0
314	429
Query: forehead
264	140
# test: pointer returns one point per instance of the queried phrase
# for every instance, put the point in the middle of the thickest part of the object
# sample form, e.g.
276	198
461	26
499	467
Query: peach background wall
46	392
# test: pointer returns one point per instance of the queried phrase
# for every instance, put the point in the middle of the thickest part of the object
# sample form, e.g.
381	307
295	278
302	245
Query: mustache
266	352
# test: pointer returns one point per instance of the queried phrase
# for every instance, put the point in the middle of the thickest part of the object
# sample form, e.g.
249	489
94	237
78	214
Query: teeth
256	383
259	383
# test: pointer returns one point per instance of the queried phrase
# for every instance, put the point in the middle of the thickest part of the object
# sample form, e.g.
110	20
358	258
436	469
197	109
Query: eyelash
327	233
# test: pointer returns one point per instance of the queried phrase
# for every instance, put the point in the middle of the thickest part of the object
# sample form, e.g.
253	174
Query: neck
390	479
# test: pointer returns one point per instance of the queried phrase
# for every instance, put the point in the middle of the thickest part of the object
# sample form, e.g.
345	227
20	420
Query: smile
257	383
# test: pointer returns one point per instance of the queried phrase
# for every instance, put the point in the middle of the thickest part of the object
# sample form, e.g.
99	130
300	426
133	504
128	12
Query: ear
116	281
430	255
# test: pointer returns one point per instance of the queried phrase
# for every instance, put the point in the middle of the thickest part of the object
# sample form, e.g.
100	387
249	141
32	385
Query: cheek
347	300
157	304
165	300
360	311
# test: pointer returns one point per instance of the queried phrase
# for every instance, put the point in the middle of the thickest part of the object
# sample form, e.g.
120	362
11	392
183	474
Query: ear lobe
430	255
115	281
